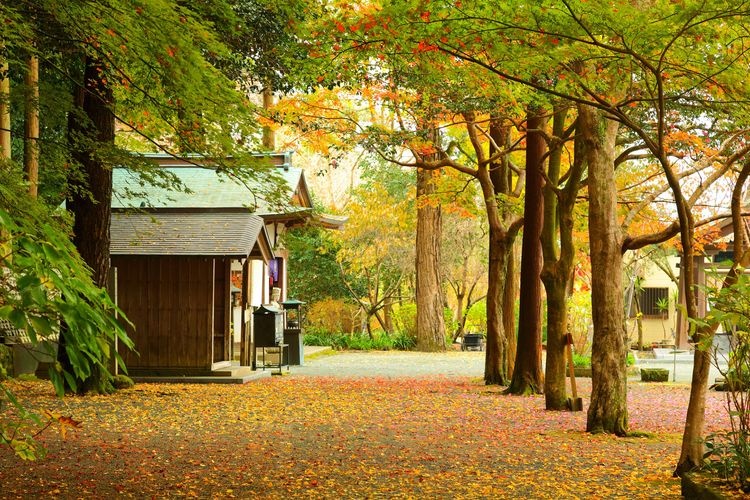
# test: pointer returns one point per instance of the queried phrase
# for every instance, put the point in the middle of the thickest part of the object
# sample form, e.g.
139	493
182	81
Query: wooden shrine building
191	265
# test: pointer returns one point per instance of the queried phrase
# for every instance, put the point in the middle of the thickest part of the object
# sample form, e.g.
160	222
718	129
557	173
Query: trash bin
293	332
473	342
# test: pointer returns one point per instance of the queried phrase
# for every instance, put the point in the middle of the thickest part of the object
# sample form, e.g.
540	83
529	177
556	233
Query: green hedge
654	374
360	341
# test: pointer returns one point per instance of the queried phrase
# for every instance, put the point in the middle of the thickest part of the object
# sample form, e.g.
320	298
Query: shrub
360	341
6	362
476	320
584	360
579	320
318	336
332	315
654	374
404	342
728	455
405	319
121	381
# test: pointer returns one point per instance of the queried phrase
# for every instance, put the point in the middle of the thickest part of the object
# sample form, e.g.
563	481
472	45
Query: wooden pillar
246	339
681	335
4	110
31	126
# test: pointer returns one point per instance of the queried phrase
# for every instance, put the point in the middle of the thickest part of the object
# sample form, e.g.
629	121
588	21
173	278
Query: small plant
727	456
121	381
630	359
581	361
662	305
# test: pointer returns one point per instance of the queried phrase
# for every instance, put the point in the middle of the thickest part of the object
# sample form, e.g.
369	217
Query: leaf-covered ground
331	438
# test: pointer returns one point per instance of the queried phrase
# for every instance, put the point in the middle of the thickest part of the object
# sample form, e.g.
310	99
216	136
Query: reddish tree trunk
92	207
430	320
527	374
91	202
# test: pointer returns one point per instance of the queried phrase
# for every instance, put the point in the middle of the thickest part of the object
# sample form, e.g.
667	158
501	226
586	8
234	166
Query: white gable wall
657	329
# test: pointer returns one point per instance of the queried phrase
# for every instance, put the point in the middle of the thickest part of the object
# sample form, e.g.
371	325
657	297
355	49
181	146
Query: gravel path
397	364
392	364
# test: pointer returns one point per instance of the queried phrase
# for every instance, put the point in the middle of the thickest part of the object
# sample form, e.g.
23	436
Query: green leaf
5	311
41	326
18	318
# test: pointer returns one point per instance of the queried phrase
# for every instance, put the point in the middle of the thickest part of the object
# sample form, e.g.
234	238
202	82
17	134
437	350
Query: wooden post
4	111
245	337
575	403
31	126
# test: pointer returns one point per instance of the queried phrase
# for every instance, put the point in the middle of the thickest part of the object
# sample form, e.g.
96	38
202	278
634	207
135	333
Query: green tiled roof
209	189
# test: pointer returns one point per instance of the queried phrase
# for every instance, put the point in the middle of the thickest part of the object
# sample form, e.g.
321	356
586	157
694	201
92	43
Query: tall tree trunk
495	362
510	294
527	375
4	110
691	453
608	409
555	392
430	320
554	279
388	314
557	272
91	202
494	181
31	126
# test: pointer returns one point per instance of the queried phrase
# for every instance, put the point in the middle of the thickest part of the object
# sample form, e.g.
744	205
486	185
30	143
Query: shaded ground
325	437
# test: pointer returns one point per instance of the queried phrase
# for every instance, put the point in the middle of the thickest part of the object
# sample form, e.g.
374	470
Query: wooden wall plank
170	301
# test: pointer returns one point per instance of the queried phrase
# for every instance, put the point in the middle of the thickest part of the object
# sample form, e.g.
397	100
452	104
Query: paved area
324	362
392	364
679	370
